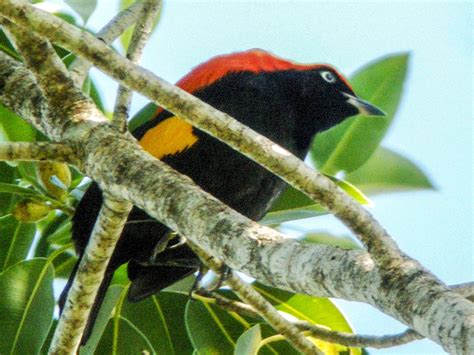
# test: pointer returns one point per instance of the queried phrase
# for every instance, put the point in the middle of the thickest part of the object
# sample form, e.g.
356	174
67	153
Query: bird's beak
364	107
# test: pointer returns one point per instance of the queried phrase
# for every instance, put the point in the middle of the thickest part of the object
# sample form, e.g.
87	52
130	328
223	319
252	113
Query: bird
288	102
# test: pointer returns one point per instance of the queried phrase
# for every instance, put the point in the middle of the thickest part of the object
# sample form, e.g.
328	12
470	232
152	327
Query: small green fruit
30	211
46	170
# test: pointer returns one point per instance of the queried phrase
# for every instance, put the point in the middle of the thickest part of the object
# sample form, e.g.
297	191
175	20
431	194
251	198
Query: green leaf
249	342
18	190
95	96
158	319
15	241
344	242
182	286
13	128
161	319
276	347
83	8
122	338
8	176
121	276
212	330
110	300
64	264
62	234
142	116
350	189
291	199
350	144
49	338
278	217
46	228
316	310
292	205
26	306
127	35
7	47
388	171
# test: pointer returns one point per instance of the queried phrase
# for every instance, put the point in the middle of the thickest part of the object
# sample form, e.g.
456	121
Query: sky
433	126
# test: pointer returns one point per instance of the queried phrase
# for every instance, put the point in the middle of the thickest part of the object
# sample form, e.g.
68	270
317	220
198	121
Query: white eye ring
328	76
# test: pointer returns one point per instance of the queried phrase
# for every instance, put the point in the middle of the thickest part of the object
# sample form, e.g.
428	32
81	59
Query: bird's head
276	96
329	98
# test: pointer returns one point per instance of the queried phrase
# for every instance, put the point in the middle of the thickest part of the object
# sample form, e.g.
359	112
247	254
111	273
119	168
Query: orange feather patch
171	136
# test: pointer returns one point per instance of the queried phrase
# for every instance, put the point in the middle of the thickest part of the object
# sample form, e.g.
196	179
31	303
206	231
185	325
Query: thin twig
107	34
264	308
44	151
140	36
324	333
315	330
225	303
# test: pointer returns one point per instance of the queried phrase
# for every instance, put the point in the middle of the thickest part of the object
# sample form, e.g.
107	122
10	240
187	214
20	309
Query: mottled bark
140	36
107	230
110	32
38	151
56	82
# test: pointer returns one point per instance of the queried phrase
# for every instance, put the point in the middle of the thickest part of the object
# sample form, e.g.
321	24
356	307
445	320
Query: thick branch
219	124
44	151
465	290
55	81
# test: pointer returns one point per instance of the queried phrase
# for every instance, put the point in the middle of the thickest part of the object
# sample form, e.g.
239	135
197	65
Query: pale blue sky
433	126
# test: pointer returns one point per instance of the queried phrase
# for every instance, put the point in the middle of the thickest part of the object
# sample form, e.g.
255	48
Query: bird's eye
328	76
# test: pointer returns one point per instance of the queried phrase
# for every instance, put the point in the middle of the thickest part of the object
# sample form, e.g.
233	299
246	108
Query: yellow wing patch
169	137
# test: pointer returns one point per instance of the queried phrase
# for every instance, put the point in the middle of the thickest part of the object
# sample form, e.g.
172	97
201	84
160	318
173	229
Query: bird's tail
148	280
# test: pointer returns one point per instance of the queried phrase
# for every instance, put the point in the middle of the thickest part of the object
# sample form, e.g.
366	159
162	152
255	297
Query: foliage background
433	126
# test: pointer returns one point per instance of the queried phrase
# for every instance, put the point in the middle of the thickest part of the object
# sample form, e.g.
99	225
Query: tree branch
323	333
55	81
317	331
140	36
264	308
107	231
107	34
465	290
44	151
